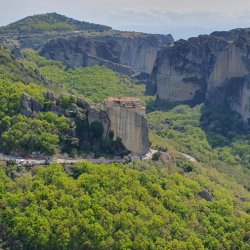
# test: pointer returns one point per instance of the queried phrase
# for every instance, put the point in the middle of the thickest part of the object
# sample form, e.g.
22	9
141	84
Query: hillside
50	22
47	106
215	137
50	116
13	70
136	206
94	83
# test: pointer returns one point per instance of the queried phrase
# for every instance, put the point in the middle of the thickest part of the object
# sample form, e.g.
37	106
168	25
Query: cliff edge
209	68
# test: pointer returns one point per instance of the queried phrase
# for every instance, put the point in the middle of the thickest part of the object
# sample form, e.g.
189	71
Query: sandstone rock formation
30	106
128	122
126	118
212	69
126	53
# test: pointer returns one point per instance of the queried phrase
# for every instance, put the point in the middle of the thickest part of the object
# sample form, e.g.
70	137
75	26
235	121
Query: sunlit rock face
125	117
212	69
127	53
128	122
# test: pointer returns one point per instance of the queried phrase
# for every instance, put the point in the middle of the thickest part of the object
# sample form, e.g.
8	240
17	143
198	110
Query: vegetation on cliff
95	83
19	133
216	137
14	70
117	207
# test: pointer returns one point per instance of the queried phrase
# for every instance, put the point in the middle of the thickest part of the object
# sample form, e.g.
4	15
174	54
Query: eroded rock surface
126	53
128	122
211	68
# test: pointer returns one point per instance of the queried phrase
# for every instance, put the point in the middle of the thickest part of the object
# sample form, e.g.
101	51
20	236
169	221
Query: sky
181	18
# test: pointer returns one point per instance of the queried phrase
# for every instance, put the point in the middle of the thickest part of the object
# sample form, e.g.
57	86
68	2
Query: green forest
136	206
175	204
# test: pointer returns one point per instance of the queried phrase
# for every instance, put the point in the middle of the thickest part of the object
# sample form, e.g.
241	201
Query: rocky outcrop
206	195
97	115
128	122
210	69
30	106
126	53
182	70
17	53
138	50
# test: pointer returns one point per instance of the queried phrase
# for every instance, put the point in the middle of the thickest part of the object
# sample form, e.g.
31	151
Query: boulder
17	53
82	103
49	96
14	175
72	109
56	109
30	106
206	195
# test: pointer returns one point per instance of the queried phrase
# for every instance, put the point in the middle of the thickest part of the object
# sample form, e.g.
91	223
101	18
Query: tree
156	156
97	129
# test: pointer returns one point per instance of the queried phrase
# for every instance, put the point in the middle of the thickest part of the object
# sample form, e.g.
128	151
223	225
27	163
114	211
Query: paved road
23	161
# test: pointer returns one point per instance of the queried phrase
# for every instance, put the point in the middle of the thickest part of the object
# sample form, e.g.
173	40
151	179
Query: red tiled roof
123	99
126	102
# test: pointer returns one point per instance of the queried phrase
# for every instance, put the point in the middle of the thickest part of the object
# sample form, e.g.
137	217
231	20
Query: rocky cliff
213	69
125	117
124	52
128	122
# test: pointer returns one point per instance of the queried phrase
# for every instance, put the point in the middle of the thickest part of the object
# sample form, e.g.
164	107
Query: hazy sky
181	18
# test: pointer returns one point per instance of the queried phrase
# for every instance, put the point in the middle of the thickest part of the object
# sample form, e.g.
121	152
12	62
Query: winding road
36	161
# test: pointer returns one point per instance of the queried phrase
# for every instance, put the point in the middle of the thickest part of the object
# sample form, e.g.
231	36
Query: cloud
181	18
168	21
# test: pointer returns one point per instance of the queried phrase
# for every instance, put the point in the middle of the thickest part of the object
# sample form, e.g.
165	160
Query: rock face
17	53
212	69
206	195
102	117
126	53
30	106
126	118
128	122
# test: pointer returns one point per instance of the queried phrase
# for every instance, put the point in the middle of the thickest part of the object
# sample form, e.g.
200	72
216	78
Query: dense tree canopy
115	207
197	131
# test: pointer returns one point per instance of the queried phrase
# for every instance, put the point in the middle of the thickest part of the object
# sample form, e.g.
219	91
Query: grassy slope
94	83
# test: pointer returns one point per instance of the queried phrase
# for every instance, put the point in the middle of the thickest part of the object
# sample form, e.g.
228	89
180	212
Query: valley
122	140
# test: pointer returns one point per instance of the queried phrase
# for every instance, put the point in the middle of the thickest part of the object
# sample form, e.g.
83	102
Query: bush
97	129
156	156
